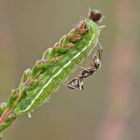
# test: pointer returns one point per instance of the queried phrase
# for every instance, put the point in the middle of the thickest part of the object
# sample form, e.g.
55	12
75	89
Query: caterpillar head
95	15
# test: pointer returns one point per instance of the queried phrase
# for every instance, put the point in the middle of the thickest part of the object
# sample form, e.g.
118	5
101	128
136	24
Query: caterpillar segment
56	65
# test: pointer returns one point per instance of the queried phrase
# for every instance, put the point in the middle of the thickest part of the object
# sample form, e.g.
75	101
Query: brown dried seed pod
69	45
74	36
56	45
82	28
78	31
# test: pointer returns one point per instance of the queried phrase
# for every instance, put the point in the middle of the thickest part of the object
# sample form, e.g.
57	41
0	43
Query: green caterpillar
56	65
38	84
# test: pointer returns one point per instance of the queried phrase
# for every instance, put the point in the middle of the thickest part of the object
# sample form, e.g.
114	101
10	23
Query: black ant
77	83
94	67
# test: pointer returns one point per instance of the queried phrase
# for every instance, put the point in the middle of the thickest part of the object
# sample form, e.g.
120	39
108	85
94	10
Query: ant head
97	63
95	15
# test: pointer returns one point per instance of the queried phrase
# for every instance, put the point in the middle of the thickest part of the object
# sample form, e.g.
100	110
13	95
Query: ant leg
100	50
81	67
69	86
102	27
85	62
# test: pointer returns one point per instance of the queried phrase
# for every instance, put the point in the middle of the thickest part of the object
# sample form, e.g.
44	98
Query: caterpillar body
38	83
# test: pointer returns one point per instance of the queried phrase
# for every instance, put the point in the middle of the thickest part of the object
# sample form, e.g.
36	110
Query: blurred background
109	107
